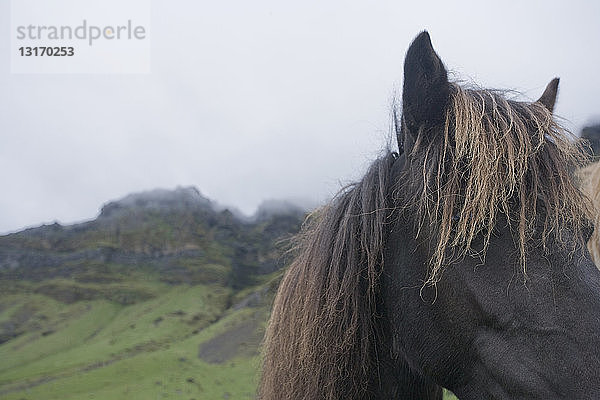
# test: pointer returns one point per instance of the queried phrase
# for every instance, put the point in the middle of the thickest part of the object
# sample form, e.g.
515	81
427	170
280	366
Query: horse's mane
590	184
319	344
496	156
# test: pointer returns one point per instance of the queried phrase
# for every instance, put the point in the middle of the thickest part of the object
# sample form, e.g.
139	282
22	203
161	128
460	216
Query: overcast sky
255	100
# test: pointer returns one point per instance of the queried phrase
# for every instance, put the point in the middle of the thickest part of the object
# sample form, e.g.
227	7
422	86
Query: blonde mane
497	156
590	184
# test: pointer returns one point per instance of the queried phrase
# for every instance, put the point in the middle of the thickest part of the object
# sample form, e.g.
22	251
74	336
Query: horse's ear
548	98
426	88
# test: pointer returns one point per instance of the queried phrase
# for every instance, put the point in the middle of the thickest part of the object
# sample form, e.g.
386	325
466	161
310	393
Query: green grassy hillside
184	342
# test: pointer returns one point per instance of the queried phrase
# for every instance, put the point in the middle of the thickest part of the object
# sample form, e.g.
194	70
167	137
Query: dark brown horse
457	263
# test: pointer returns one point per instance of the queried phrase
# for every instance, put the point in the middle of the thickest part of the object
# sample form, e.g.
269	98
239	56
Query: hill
592	134
165	294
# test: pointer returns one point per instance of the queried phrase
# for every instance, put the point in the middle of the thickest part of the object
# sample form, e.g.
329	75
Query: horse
457	262
590	183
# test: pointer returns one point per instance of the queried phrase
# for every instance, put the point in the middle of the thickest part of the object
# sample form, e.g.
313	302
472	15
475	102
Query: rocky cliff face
180	235
592	134
180	199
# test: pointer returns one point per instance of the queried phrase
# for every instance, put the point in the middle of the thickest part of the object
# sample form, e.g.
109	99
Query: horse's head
488	287
458	263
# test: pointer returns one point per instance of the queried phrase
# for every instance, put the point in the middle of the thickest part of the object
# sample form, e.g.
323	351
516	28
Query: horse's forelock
494	155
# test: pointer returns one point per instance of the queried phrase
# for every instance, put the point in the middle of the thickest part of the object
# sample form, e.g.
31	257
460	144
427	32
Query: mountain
592	134
179	235
165	293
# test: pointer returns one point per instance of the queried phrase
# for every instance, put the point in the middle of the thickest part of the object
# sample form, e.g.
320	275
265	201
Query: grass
105	350
168	372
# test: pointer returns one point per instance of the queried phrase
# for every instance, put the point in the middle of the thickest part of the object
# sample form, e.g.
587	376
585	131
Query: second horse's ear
548	98
426	90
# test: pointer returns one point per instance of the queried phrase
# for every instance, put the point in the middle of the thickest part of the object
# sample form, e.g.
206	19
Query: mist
266	100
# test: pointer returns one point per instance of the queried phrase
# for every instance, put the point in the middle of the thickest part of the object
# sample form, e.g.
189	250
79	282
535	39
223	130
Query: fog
259	100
